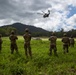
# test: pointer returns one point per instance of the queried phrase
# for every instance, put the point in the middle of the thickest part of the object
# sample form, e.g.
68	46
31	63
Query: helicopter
45	15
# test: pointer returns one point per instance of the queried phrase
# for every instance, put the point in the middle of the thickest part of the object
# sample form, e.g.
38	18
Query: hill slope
21	28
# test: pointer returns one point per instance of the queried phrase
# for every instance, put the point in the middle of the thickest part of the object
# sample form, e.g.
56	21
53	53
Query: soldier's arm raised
49	38
24	36
15	37
62	39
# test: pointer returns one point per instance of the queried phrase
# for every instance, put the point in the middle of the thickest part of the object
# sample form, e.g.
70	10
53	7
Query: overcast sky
63	13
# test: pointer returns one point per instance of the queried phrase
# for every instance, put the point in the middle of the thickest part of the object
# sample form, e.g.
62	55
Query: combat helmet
26	30
12	32
53	33
65	34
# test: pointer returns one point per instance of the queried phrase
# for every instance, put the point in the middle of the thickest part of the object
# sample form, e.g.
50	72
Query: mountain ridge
21	28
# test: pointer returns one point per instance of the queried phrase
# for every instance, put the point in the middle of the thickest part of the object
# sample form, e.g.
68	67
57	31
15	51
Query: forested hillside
19	28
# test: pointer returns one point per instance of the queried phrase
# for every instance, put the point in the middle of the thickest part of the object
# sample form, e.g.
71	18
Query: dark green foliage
5	31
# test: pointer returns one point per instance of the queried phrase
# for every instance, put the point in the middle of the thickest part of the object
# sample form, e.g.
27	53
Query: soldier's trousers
27	48
53	47
65	48
14	47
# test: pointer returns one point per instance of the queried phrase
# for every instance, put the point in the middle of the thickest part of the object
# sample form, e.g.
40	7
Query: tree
9	29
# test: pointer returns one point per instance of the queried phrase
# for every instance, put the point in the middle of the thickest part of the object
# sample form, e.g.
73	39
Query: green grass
41	63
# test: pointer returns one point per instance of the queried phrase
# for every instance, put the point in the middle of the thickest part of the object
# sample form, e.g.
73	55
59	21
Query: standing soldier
0	43
13	45
52	40
72	41
66	43
27	39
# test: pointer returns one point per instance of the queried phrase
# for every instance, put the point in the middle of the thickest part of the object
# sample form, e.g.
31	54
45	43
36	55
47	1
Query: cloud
72	20
25	11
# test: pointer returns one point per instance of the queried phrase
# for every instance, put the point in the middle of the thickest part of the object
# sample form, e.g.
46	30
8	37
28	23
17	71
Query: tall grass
41	63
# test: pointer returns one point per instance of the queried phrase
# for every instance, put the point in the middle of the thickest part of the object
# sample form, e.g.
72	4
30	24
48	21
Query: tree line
5	31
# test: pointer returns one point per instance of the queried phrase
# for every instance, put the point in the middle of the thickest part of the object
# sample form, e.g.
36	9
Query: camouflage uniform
13	45
0	43
72	42
53	39
27	47
66	43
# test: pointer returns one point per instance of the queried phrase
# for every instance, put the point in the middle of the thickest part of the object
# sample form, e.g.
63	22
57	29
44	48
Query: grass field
41	63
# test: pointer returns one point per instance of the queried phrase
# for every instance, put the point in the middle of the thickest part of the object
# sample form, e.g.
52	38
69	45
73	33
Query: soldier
66	43
52	40
27	39
72	41
0	43
13	39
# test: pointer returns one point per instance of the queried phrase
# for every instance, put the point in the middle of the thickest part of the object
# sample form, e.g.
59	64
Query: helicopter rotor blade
40	13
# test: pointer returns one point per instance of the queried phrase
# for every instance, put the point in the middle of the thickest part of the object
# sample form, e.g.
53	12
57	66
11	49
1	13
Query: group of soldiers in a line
13	44
27	37
66	43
